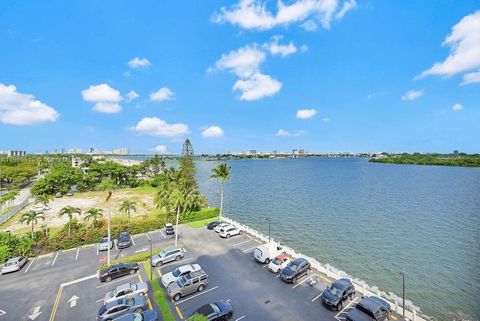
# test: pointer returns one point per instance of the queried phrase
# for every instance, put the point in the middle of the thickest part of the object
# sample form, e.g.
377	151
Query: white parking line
99	300
119	280
317	296
193	296
141	250
97	250
148	237
307	278
265	266
76	256
180	261
278	275
346	307
53	263
162	234
248	250
29	265
242	242
79	280
133	242
240	318
116	247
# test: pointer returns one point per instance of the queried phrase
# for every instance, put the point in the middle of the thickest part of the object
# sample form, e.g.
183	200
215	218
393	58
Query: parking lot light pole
109	234
9	236
269	219
151	254
403	291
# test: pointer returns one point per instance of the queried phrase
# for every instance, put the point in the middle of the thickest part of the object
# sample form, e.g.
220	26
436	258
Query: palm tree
162	198
222	173
31	217
128	206
45	199
69	211
177	198
94	213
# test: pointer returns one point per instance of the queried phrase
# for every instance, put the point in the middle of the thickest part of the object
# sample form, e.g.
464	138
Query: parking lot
63	285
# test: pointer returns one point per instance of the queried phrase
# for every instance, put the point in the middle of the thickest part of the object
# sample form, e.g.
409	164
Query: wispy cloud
412	95
457	107
212	131
162	94
132	95
139	63
347	6
306	113
283	133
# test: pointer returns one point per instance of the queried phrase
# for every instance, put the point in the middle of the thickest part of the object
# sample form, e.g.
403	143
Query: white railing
411	311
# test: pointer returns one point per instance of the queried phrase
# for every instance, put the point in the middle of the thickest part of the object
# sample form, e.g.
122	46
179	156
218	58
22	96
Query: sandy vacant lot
142	196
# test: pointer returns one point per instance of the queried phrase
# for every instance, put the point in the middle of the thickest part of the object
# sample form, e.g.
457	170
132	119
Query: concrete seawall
411	311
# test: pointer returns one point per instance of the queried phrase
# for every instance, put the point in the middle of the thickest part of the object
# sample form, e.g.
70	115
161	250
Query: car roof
371	303
123	287
299	260
205	309
169	224
14	259
281	257
342	283
172	249
124	233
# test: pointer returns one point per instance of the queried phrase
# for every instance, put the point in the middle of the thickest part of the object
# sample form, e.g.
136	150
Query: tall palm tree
128	206
177	198
69	211
94	213
162	198
222	173
31	217
44	199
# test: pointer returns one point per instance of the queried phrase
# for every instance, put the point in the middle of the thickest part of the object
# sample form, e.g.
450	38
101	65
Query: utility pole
151	254
269	219
108	224
403	291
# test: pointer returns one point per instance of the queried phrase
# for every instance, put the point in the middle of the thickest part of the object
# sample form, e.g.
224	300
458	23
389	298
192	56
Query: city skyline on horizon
317	75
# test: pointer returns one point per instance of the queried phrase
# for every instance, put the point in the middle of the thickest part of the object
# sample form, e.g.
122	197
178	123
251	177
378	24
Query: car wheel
228	236
200	288
241	232
178	258
108	279
267	261
229	315
294	280
159	264
132	272
177	297
340	306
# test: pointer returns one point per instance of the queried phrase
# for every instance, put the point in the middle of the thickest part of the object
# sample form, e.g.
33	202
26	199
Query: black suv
117	270
124	240
370	309
339	291
295	270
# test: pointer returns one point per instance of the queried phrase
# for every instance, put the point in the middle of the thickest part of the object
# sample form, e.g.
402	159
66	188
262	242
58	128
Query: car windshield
176	273
10	263
276	261
162	254
181	282
365	310
104	240
293	267
112	293
130	302
102	310
215	308
335	291
137	317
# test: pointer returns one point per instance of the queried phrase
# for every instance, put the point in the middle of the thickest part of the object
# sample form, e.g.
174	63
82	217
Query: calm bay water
371	220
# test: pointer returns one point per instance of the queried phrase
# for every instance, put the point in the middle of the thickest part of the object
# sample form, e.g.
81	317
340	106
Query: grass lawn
201	223
160	296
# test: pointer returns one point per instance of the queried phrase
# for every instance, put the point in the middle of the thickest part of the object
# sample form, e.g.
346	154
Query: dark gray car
122	306
148	315
337	292
370	309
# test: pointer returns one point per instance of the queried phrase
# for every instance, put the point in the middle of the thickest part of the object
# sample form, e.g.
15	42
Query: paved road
255	293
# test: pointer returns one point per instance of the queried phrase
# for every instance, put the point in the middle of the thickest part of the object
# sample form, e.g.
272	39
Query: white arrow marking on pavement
35	314
2	312
73	301
141	250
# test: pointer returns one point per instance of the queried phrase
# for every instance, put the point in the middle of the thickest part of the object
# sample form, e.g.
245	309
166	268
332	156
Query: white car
220	226
230	231
126	290
40	208
14	264
278	263
176	274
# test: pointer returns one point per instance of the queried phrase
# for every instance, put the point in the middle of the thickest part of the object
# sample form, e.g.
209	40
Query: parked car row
188	279
14	264
333	297
224	230
124	241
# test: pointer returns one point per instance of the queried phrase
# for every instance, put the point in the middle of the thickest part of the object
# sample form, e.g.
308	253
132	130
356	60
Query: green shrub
4	253
160	297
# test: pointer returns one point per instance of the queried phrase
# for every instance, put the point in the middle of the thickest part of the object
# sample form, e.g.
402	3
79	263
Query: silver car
180	271
104	244
120	307
14	264
168	255
126	290
188	284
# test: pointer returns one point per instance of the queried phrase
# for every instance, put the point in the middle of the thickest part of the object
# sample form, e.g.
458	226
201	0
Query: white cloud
470	78
347	6
309	25
162	94
243	62
257	86
154	126
107	107
160	149
457	107
412	95
306	113
283	133
464	43
23	109
105	97
139	62
212	131
326	119
132	95
102	92
282	50
254	14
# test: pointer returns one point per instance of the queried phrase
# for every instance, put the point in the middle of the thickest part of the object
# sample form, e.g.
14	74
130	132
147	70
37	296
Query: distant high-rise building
17	153
301	152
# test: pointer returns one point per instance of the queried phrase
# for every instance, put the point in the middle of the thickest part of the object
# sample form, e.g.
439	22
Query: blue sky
323	75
